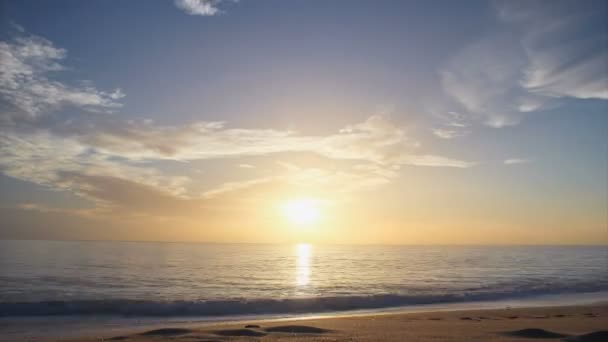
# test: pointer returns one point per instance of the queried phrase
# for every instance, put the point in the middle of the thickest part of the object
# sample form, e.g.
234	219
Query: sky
365	122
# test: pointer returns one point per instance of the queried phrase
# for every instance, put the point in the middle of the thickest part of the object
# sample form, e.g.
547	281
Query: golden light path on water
303	251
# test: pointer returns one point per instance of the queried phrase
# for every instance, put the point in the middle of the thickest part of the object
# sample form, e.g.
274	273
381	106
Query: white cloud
435	161
484	79
565	46
540	54
199	7
112	161
376	140
514	161
25	85
52	161
236	186
450	124
448	133
76	160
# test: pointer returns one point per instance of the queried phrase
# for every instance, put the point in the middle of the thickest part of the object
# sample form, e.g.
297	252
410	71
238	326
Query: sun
302	211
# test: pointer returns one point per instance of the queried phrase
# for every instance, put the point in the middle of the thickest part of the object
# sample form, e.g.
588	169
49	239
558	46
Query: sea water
144	279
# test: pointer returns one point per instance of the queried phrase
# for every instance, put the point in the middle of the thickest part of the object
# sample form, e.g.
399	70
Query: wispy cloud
435	161
448	133
566	52
514	161
483	78
115	163
450	124
52	161
199	7
537	56
27	91
86	162
377	140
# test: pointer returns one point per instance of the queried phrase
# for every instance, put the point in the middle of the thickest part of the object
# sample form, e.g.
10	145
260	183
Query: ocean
145	279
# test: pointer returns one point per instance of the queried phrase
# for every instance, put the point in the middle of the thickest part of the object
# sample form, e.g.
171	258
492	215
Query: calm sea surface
45	278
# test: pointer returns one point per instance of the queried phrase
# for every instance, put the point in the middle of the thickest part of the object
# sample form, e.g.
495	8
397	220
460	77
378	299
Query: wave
237	307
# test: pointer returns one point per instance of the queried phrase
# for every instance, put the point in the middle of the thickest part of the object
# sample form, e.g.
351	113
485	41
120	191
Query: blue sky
460	117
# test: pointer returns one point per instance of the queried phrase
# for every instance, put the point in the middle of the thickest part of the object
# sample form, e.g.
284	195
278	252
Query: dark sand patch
167	332
118	338
239	332
596	336
559	316
435	319
252	326
297	329
198	338
534	333
468	319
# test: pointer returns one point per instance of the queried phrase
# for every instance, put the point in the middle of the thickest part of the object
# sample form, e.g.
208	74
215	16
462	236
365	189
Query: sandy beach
568	323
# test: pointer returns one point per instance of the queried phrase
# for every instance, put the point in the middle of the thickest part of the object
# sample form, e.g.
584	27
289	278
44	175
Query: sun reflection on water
303	251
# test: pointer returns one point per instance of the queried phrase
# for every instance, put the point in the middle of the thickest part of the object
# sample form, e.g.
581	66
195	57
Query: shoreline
577	323
80	328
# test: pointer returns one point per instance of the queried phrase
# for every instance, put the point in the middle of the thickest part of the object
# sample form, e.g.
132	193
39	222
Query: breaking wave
234	307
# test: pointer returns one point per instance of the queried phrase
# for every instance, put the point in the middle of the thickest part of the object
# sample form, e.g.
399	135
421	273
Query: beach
89	291
554	323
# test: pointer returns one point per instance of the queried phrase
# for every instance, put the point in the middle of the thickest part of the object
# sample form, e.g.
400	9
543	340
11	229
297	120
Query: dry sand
572	323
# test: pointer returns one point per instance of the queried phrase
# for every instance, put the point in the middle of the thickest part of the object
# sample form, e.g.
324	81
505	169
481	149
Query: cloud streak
199	7
42	156
538	56
448	133
26	91
515	161
116	163
567	53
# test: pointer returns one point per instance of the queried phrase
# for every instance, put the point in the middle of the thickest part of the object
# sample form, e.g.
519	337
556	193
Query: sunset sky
401	122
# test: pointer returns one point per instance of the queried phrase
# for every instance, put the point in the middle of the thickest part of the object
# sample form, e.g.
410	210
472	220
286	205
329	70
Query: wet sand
572	323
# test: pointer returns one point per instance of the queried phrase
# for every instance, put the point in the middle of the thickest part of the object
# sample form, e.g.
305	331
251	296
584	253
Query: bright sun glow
302	211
